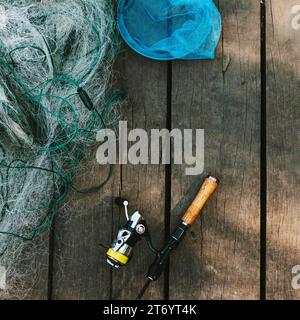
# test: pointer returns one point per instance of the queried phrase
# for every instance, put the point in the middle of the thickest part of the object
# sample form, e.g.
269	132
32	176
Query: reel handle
208	187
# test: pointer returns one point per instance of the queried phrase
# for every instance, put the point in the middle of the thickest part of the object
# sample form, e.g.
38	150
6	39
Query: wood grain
219	258
79	267
145	83
283	114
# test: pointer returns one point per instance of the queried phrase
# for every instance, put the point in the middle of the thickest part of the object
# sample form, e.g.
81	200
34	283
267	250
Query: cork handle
207	189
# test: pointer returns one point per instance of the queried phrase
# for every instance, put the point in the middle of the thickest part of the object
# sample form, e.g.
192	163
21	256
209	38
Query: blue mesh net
170	29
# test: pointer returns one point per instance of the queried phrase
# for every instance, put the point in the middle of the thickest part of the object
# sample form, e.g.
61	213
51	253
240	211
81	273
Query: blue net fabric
170	29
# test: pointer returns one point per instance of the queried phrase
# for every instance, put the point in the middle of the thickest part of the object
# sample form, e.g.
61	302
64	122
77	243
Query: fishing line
55	94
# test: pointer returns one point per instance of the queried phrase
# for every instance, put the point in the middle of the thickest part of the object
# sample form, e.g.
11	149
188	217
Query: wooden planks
219	259
283	98
145	83
79	271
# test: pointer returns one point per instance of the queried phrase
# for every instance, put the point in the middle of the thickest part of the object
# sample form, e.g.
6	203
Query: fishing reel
121	250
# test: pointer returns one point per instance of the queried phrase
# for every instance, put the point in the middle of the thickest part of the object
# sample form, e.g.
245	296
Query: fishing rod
121	250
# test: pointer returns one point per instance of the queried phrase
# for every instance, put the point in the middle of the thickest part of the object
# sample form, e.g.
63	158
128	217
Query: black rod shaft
145	287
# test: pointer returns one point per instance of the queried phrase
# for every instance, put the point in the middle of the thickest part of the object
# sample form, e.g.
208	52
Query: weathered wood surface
145	82
219	259
78	268
283	99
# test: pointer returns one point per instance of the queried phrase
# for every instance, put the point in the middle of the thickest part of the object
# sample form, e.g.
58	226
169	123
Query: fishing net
55	94
170	29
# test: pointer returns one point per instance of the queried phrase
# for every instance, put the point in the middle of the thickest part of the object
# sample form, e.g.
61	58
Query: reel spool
121	250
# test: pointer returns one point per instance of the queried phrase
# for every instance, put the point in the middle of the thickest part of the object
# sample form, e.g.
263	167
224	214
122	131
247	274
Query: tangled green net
55	94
